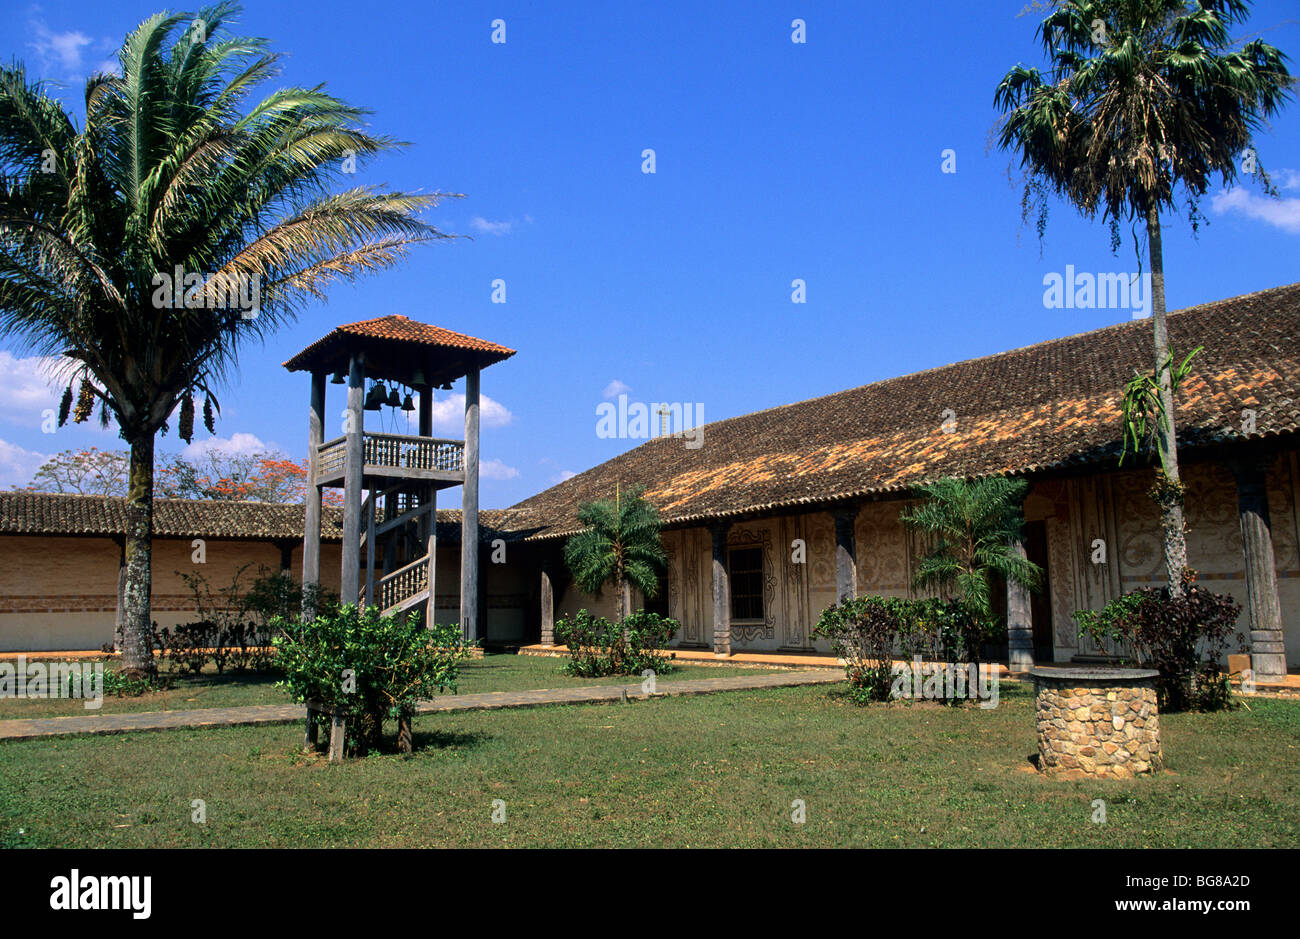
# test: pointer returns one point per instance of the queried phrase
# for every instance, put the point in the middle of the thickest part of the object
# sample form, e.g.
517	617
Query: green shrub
1184	638
863	631
598	647
370	666
867	633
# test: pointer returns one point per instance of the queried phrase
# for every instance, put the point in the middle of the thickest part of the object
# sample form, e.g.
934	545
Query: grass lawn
717	770
210	690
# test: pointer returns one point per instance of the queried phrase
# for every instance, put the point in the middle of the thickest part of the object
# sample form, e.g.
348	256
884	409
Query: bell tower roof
396	348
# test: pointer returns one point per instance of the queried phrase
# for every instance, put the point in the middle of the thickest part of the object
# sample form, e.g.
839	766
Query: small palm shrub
598	647
370	666
1183	637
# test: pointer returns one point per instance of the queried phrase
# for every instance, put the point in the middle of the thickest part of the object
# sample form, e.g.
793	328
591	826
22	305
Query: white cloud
485	227
62	54
18	466
495	469
28	387
616	388
449	413
1283	213
563	475
234	445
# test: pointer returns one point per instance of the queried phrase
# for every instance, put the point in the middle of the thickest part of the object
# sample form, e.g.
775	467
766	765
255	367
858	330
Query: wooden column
428	528
349	583
370	546
312	522
1267	649
431	552
846	564
548	608
1020	622
120	541
469	586
721	592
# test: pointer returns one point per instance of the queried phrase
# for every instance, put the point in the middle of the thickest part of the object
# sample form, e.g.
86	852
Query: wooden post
548	609
352	476
120	541
370	547
1267	649
846	563
431	552
721	592
311	738
312	522
428	528
469	585
338	734
404	736
1020	622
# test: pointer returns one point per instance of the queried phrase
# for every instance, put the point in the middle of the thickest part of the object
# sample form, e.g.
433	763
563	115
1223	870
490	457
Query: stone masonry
1097	722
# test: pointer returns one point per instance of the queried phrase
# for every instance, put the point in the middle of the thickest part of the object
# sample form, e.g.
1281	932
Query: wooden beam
1020	622
431	550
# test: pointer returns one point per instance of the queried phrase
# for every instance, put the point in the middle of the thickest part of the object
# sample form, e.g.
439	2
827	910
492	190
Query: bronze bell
374	398
338	379
393	400
408	404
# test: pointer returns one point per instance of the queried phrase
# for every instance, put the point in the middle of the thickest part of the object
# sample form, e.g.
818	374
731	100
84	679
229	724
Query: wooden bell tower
390	481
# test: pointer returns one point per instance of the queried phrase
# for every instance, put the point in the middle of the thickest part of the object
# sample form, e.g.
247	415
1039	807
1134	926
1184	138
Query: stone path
32	728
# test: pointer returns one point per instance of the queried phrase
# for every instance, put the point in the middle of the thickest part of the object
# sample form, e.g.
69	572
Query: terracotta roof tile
1045	407
397	328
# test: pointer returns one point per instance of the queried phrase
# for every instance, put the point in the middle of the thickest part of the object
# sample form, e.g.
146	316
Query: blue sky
775	161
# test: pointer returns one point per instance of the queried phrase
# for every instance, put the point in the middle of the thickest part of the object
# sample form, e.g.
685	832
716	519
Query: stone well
1096	721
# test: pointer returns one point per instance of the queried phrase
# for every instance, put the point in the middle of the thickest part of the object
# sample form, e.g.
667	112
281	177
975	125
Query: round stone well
1096	721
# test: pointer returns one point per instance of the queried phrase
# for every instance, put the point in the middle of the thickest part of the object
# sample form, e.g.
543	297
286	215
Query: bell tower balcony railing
394	456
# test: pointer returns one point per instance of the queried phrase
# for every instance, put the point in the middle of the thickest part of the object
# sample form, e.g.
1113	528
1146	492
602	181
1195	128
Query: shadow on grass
447	740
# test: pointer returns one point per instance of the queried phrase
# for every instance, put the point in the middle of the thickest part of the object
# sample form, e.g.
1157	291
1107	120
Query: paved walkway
32	728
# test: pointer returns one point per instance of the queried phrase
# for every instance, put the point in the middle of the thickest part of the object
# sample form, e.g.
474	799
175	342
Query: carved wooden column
721	592
846	562
1267	649
350	580
1020	622
548	607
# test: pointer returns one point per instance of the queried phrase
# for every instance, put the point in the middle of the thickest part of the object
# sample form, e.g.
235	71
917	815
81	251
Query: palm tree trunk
1168	492
137	648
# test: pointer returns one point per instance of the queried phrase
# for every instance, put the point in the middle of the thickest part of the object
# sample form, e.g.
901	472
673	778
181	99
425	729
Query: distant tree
225	476
88	471
1143	96
619	546
973	525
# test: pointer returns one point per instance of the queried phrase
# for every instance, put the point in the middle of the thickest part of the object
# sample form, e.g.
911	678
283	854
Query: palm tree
169	175
620	545
973	527
1143	95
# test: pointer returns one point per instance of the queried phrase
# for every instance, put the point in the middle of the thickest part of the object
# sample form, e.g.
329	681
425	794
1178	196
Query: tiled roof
1041	408
397	328
41	513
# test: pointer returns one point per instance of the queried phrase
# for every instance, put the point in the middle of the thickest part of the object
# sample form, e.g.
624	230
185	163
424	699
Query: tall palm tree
1143	96
170	173
973	527
619	546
